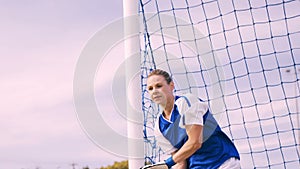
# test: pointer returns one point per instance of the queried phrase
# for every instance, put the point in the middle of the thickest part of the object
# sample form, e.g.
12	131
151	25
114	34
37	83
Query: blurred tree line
116	165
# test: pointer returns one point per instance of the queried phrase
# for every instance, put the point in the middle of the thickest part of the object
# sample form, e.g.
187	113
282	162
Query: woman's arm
193	110
193	143
180	165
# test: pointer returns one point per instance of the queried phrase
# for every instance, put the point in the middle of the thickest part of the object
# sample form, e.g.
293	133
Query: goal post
132	73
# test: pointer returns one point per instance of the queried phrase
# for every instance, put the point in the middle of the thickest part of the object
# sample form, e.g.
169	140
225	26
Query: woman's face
160	91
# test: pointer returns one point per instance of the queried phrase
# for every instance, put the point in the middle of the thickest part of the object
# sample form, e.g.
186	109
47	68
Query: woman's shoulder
190	100
188	97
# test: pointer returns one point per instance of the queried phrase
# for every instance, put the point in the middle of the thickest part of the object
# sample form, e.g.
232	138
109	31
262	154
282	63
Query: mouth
156	97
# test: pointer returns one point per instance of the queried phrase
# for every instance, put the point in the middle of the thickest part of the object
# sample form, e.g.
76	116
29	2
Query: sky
40	44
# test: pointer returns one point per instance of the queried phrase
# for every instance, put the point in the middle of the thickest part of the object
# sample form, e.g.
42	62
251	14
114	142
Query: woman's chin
157	101
160	102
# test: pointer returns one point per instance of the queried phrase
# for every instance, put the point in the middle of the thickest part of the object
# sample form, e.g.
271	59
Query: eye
150	88
158	86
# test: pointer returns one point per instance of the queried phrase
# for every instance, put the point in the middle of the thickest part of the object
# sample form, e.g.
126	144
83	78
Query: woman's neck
168	108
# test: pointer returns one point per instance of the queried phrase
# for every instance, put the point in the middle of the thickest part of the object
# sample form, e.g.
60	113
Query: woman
188	130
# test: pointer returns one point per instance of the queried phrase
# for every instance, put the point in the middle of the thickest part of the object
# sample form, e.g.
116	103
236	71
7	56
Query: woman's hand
181	165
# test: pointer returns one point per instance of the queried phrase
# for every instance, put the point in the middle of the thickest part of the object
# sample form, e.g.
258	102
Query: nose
154	90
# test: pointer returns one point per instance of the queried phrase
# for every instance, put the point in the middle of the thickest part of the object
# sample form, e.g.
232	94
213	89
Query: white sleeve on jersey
194	113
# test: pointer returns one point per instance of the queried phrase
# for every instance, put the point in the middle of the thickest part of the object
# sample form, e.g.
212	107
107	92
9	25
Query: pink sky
40	44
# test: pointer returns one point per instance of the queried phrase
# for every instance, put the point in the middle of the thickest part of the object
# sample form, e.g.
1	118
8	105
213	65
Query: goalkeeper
187	130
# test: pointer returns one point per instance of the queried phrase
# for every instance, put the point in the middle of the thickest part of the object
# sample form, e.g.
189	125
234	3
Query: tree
117	165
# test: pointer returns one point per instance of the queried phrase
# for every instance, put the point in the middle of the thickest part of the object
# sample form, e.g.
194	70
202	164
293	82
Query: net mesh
242	57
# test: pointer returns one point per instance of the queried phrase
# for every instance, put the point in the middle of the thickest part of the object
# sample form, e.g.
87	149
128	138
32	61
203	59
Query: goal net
243	58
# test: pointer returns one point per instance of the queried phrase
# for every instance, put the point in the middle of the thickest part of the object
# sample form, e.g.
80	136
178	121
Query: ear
172	85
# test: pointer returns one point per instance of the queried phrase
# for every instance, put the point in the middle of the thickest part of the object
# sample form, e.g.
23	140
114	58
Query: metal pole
133	86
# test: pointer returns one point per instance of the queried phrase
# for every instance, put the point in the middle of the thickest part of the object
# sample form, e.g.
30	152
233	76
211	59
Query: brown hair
163	73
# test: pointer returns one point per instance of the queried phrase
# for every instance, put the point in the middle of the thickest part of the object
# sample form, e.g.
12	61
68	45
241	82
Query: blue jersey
216	147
